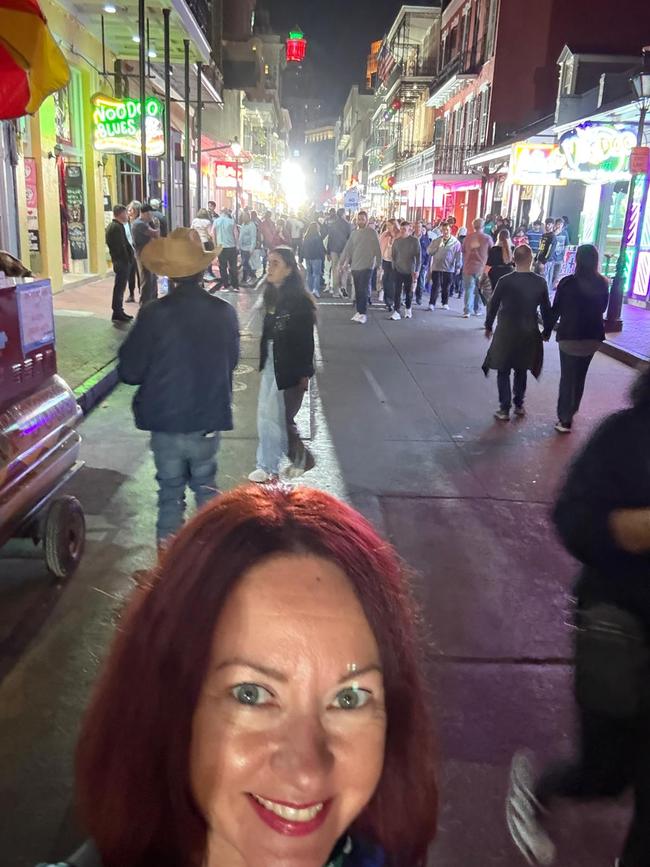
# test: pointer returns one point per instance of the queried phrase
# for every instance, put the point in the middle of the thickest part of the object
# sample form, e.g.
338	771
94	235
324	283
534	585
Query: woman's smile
293	820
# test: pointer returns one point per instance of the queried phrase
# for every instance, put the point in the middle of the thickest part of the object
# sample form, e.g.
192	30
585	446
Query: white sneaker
445	306
380	297
409	313
395	316
355	318
465	315
362	318
259	476
523	815
432	306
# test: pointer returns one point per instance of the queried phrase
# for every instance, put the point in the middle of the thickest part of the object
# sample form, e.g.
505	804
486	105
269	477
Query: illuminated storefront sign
534	164
597	152
116	125
296	47
225	175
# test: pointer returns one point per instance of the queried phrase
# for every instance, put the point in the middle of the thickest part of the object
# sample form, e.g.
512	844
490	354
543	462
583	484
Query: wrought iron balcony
450	160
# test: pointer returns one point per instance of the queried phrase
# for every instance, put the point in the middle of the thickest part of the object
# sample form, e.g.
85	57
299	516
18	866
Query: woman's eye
251	694
351	698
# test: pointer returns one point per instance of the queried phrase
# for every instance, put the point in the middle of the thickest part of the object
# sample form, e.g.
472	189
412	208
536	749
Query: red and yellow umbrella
32	65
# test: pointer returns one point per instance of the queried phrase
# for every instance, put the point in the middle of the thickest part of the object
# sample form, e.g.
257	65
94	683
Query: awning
32	65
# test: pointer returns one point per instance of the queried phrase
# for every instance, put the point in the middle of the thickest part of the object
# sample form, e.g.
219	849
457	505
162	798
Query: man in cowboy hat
182	352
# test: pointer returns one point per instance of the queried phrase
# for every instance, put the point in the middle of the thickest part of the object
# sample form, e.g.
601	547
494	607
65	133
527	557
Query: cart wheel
64	535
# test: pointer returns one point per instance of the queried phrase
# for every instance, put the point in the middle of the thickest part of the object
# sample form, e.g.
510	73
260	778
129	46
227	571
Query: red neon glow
296	50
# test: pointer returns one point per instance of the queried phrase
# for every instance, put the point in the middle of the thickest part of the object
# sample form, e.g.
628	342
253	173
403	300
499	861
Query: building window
491	29
485	113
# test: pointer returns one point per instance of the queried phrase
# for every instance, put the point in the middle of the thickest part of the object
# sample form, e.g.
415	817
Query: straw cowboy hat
180	254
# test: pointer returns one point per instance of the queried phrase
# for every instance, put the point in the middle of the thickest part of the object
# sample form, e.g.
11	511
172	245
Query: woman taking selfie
263	704
287	364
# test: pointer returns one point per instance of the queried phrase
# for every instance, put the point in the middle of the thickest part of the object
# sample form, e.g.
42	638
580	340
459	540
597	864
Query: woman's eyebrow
280	676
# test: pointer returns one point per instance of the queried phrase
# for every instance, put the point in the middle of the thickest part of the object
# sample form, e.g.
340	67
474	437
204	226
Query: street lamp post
235	147
641	84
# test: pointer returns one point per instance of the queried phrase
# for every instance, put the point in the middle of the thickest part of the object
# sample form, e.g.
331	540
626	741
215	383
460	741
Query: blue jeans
271	421
181	460
472	298
314	271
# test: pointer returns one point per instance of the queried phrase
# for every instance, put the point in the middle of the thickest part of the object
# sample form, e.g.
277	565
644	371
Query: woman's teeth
291	814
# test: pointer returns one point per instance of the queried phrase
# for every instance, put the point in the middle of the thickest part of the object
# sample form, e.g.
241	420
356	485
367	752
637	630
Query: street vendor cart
39	444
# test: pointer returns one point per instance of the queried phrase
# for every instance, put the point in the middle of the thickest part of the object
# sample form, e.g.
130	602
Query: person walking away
423	276
363	252
534	235
445	262
517	344
287	365
338	234
545	255
314	253
159	217
122	257
202	224
580	303
296	228
406	268
257	259
132	212
500	259
270	236
603	518
476	247
143	233
247	241
561	242
225	237
181	353
388	235
457	286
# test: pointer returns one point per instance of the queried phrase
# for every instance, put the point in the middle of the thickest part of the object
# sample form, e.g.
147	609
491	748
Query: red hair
133	777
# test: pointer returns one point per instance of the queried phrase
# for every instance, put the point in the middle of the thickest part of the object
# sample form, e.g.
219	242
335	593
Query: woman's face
278	270
288	735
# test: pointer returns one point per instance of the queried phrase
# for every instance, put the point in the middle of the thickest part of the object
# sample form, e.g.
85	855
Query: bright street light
293	184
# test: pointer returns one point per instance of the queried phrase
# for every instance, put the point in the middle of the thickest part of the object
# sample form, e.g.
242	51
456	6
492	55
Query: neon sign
296	47
534	164
116	125
227	176
597	152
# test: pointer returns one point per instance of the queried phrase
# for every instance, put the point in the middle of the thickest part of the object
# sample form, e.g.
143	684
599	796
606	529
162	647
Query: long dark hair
292	289
133	775
587	274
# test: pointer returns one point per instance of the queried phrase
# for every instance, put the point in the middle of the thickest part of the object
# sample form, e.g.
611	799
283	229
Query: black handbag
612	661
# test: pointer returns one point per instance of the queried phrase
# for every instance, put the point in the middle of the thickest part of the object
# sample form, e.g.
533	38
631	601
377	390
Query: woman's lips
292	820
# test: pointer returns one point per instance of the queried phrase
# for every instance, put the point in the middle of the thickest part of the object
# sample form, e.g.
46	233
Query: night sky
339	33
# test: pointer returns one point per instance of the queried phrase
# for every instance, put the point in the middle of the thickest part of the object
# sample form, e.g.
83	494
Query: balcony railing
466	62
407	152
450	159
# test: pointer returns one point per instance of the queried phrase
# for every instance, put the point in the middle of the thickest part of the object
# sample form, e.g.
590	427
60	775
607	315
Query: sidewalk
632	344
86	340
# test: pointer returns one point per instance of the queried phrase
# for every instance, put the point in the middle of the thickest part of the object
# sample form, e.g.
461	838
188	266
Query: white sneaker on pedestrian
502	415
432	306
445	306
380	297
395	316
408	314
562	428
355	318
523	812
259	476
362	318
465	315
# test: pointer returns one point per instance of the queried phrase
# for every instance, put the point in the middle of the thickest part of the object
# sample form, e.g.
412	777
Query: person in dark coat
182	352
517	344
314	254
603	517
122	257
580	303
287	365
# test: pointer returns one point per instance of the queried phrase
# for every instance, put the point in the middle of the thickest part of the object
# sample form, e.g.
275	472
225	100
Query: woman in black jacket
287	364
603	518
580	302
500	258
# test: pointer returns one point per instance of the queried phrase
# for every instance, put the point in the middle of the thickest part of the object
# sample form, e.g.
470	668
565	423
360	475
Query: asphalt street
400	420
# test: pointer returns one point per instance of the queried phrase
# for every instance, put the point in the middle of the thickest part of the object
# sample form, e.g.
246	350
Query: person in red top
453	225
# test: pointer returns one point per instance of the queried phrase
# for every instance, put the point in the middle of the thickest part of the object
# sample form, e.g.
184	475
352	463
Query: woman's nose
304	755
